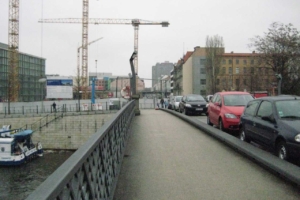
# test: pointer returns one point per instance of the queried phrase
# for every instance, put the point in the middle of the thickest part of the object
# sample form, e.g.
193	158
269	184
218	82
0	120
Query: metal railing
105	106
92	171
44	121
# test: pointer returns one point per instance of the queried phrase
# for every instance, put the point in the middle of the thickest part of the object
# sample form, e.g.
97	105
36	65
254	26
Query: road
203	119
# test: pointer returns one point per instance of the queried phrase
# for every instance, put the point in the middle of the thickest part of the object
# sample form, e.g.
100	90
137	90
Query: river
18	182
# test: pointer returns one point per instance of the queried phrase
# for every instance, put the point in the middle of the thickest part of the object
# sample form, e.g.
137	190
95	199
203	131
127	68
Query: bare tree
78	87
279	49
214	51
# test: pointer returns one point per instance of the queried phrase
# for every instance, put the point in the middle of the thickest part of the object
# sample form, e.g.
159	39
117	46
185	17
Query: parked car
226	108
175	100
208	97
192	103
273	122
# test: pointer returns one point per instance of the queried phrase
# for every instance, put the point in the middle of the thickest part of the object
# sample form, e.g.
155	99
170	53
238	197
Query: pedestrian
157	105
166	103
54	106
162	102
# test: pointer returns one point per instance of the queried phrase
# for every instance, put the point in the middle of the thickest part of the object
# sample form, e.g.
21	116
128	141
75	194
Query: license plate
199	108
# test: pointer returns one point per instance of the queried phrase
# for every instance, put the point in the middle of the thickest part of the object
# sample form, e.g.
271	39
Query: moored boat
16	146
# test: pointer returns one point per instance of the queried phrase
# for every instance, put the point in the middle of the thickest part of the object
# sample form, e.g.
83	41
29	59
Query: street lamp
279	78
42	81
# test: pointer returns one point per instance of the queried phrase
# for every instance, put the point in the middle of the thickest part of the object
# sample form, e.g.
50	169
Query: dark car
273	122
192	104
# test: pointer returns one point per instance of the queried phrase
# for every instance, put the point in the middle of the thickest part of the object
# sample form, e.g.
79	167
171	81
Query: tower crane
13	52
134	22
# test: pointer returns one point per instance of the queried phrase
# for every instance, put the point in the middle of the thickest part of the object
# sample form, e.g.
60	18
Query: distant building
243	72
237	71
159	70
31	70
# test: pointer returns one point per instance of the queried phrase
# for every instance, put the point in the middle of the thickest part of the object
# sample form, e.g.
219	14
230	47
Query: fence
70	106
92	171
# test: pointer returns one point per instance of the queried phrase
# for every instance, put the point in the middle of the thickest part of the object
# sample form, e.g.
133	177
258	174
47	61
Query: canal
18	182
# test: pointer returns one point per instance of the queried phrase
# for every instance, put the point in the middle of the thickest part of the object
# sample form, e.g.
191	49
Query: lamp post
42	81
279	78
134	95
117	87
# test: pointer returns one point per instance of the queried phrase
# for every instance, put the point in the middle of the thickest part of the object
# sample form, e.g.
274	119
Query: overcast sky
190	22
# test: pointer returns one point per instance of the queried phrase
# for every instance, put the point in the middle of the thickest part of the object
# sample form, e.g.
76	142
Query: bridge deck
167	158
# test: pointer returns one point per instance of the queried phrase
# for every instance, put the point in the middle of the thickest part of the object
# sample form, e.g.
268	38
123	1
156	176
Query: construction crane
13	52
134	22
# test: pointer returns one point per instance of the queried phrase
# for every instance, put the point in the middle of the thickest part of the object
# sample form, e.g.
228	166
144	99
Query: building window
202	61
252	70
245	70
203	92
237	61
230	70
245	62
252	62
203	81
224	61
202	71
237	70
218	82
237	82
245	81
223	70
229	61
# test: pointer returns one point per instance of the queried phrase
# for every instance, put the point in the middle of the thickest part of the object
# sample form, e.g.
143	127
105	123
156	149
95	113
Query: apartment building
244	72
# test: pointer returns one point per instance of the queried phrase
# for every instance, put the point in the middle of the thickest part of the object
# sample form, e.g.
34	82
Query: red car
226	108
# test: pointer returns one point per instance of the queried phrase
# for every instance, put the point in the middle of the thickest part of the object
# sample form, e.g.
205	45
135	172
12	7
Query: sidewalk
166	158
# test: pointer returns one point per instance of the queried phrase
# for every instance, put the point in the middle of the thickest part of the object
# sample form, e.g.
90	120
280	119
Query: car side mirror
217	104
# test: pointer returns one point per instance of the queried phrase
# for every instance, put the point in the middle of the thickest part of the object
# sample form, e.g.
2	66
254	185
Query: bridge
162	154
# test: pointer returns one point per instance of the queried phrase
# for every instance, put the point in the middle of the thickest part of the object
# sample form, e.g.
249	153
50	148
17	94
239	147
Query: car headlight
297	138
188	105
229	115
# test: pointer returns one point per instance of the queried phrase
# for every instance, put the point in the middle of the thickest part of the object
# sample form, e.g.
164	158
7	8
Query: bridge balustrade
92	171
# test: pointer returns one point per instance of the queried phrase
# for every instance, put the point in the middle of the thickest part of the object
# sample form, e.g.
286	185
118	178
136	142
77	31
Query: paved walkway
168	159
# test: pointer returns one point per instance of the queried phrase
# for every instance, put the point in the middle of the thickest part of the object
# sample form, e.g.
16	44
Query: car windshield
237	99
288	109
177	99
195	98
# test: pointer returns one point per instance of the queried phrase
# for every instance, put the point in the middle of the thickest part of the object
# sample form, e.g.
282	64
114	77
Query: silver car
175	102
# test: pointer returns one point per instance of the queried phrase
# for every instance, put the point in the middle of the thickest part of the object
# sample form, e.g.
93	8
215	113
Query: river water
18	182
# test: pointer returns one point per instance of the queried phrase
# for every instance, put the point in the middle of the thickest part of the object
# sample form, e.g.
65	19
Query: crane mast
13	51
96	21
85	35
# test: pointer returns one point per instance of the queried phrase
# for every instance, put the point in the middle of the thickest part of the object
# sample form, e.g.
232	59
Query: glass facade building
31	70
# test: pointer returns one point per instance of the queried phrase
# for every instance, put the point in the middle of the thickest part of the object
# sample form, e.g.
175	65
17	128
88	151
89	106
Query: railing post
37	109
23	110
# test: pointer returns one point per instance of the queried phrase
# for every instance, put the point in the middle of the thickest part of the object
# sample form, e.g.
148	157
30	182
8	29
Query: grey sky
190	22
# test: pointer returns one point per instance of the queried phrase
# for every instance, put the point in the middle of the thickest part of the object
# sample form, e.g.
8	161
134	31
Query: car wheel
243	136
281	150
221	125
208	121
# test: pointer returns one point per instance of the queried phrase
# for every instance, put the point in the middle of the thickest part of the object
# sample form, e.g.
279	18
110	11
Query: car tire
282	151
221	125
208	121
242	135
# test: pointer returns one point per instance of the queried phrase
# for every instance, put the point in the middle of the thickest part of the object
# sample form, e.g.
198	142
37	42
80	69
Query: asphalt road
167	158
202	118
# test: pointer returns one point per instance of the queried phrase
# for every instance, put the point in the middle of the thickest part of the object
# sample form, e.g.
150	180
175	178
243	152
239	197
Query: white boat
16	146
